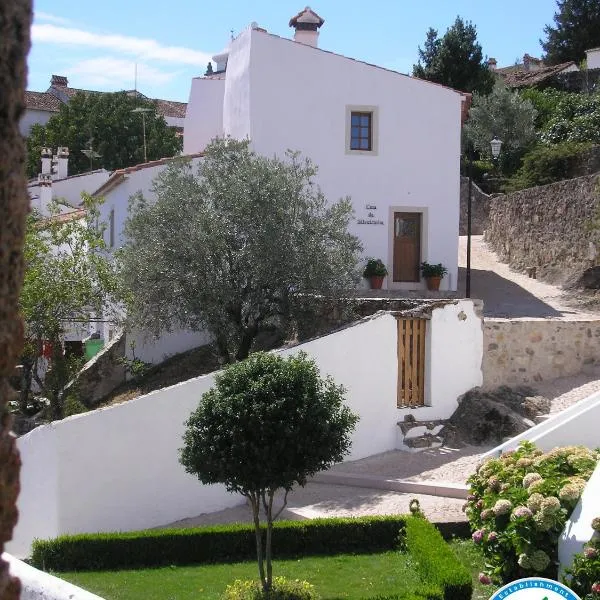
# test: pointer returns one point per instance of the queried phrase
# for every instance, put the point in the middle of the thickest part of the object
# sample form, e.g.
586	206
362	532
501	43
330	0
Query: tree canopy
455	60
576	29
503	114
269	423
116	133
67	279
229	247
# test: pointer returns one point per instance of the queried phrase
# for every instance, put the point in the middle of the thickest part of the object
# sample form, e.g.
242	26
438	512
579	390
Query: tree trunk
15	23
255	502
268	544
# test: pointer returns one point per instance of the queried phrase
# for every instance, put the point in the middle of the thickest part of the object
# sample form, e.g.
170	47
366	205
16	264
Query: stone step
445	489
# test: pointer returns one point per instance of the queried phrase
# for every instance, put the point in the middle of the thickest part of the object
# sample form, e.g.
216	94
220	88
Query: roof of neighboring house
73	215
518	76
59	85
34	181
42	101
169	108
119	175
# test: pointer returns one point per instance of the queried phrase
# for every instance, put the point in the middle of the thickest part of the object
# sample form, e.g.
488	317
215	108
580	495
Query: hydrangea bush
584	575
518	505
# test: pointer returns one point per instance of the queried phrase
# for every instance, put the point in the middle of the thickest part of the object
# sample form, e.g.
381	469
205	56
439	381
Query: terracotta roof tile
42	101
169	108
517	76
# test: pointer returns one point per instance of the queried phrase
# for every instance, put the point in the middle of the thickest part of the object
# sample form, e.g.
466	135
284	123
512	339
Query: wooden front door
407	246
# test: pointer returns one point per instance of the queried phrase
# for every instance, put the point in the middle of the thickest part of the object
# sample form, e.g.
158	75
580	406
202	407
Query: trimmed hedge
437	563
443	576
218	544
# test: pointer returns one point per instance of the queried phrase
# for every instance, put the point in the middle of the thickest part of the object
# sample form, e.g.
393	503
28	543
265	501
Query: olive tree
268	424
228	247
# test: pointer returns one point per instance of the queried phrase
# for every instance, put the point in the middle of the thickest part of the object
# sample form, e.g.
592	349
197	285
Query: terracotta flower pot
433	283
376	281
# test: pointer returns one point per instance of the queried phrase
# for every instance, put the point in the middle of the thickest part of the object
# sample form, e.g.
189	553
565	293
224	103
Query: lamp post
496	145
143	111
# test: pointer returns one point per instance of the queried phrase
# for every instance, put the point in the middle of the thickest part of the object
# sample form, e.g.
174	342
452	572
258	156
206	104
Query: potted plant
433	274
375	271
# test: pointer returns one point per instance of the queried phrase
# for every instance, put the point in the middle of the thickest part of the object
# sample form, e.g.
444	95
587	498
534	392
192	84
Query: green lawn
351	577
471	556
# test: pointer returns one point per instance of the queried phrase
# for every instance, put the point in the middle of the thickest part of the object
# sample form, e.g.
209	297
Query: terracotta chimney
307	24
59	81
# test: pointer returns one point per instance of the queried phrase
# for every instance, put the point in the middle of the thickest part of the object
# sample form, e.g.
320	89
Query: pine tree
577	30
455	60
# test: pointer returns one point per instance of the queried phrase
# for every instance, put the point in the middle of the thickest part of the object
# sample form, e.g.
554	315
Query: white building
593	58
390	141
54	184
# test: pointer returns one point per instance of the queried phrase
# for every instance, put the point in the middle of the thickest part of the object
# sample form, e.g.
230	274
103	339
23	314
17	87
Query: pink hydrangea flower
493	536
590	552
478	536
595	587
486	580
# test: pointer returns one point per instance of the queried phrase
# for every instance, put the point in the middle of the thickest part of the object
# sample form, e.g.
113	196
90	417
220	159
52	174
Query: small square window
361	134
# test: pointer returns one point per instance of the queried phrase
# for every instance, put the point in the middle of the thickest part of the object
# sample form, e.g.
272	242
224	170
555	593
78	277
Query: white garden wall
578	529
117	468
576	425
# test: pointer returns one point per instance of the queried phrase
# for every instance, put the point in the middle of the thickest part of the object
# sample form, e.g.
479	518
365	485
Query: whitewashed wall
283	94
578	529
117	468
593	58
154	351
32	117
204	116
39	585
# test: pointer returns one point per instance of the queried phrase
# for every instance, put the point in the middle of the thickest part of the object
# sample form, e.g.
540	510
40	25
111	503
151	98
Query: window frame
373	112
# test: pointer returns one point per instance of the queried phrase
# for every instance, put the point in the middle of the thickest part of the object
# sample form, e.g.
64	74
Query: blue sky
97	44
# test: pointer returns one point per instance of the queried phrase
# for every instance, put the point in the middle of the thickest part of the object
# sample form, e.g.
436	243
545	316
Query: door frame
424	212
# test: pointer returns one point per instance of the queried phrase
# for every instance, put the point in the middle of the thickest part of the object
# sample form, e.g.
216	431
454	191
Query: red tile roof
42	101
169	108
517	76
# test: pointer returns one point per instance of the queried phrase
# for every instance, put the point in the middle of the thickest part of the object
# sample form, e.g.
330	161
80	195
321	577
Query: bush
218	544
282	589
518	506
583	577
446	577
548	164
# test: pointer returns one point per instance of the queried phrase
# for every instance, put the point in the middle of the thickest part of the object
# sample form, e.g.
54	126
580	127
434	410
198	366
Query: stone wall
102	374
480	208
548	227
587	81
519	352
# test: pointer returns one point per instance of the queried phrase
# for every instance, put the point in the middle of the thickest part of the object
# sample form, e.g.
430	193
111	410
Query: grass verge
348	577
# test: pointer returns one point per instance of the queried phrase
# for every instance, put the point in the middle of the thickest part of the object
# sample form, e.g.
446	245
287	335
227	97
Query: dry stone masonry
526	352
549	227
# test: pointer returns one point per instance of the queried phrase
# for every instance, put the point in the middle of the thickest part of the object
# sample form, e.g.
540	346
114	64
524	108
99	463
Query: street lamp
143	111
496	145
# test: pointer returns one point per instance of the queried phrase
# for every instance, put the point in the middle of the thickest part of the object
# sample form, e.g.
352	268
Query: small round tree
268	424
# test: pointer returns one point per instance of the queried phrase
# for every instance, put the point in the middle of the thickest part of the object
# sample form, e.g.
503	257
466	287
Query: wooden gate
411	362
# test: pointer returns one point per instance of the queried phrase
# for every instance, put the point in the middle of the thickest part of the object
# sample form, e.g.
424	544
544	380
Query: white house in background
390	141
54	183
116	192
593	58
40	106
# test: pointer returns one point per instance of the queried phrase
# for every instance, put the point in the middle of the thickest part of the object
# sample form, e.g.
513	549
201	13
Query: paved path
509	294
